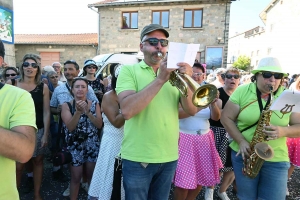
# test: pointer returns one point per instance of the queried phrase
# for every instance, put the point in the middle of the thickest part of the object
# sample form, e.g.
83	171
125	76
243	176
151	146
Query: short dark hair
2	50
72	62
199	66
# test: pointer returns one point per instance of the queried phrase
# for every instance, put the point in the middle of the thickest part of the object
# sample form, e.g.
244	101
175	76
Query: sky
73	16
244	15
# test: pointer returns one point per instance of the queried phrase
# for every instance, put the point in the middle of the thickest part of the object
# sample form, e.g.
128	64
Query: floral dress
83	143
98	88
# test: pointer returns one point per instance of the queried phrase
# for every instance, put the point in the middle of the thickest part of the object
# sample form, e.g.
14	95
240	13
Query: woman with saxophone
248	120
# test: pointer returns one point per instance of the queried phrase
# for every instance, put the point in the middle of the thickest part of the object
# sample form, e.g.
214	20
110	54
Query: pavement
52	190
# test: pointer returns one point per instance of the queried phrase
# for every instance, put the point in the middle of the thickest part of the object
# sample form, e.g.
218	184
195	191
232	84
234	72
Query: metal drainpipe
98	50
224	32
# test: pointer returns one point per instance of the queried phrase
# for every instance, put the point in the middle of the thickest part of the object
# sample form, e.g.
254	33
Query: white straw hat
269	64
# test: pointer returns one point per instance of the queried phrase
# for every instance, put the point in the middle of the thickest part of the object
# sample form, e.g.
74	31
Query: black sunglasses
27	64
91	66
8	75
270	74
229	76
154	42
53	77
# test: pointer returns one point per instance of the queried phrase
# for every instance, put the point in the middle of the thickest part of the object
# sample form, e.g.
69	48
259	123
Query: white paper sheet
181	52
288	100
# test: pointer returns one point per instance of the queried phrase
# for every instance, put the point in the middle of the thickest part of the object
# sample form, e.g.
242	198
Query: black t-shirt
224	97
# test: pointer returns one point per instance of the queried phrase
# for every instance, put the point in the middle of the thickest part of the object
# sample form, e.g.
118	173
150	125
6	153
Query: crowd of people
132	135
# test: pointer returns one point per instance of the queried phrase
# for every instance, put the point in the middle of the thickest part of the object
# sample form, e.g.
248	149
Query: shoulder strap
68	87
71	108
1	85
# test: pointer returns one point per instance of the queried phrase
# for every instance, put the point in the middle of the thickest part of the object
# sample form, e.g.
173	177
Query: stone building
56	47
204	22
279	37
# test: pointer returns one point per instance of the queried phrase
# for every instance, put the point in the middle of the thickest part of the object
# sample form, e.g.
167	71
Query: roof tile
63	39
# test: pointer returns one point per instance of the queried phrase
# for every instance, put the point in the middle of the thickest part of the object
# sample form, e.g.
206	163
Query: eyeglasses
52	77
154	42
91	66
229	76
56	66
8	75
197	74
270	74
27	64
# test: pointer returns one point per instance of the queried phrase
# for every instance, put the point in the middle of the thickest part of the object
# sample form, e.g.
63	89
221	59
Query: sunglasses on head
8	75
154	42
270	74
91	66
71	62
53	77
229	76
27	64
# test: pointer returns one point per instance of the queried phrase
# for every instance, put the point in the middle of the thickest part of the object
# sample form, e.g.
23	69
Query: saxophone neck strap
258	93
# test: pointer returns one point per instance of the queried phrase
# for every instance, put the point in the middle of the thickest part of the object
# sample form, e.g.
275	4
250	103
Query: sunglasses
27	64
52	77
197	74
270	74
8	75
229	76
91	66
154	42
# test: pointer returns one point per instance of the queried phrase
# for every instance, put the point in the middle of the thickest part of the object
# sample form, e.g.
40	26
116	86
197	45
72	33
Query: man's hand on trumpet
164	72
185	68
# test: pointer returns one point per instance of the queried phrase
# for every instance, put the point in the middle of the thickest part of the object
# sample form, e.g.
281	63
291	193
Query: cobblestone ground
52	190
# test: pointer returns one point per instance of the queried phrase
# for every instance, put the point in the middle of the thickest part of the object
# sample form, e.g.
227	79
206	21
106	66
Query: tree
243	62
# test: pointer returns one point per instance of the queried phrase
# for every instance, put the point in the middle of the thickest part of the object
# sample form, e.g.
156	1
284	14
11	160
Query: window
192	19
161	18
130	20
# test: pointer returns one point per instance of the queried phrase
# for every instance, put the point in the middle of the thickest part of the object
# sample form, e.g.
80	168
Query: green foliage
243	62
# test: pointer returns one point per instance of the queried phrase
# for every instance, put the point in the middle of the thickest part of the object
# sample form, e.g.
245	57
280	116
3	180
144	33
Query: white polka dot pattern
102	181
199	162
294	150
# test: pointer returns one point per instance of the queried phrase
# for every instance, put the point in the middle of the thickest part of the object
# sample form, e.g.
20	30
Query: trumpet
202	95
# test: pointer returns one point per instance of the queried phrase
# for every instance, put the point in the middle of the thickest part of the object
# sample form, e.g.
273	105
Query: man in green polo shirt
150	106
17	133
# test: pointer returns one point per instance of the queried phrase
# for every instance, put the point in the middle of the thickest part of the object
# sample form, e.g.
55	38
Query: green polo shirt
152	135
242	96
16	109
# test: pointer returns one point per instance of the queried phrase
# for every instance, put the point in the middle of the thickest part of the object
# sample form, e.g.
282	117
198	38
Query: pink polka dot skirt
294	150
199	162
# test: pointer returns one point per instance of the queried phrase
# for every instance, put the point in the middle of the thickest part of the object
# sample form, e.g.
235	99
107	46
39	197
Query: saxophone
260	151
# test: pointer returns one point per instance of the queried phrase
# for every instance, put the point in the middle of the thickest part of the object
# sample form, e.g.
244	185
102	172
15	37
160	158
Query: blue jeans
152	182
269	184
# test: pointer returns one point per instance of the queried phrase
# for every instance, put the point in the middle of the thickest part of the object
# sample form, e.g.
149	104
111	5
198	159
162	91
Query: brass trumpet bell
204	95
264	151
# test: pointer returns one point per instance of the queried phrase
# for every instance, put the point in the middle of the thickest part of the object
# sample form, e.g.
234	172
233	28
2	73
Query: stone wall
113	39
67	52
9	48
